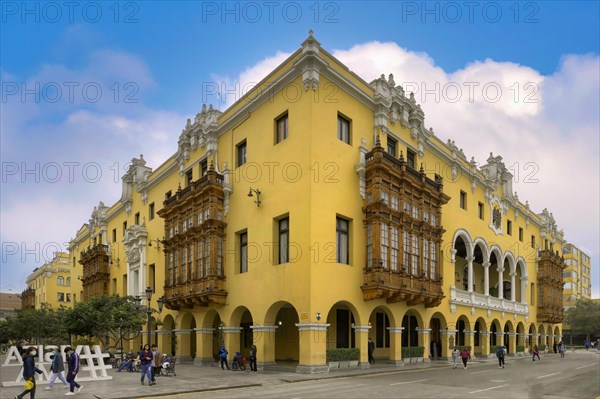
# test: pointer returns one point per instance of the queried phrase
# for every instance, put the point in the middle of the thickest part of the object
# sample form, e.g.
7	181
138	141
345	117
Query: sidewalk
192	378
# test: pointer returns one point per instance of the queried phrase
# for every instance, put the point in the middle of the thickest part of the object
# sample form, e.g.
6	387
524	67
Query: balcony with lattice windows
96	273
404	232
28	298
550	286
194	244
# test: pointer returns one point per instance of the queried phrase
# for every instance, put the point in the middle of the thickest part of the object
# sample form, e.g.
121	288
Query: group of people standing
239	361
57	367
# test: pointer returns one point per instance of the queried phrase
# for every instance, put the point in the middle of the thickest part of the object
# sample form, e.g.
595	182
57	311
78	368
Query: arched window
68	281
465	278
60	280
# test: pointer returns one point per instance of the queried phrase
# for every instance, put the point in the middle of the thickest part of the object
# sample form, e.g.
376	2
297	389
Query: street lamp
149	297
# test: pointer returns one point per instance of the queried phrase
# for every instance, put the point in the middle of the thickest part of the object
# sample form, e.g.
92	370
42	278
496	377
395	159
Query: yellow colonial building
576	276
50	284
318	211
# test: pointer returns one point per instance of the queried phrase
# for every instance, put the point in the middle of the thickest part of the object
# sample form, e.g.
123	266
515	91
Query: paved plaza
575	376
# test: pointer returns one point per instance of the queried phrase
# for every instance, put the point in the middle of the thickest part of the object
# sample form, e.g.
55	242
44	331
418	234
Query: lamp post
160	301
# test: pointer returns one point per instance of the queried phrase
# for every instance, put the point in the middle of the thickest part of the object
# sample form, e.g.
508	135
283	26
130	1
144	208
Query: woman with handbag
29	371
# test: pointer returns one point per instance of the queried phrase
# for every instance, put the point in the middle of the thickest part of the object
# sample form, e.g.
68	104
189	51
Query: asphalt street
575	376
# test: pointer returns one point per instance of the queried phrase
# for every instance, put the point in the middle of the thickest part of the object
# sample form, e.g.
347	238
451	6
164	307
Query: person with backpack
223	356
500	354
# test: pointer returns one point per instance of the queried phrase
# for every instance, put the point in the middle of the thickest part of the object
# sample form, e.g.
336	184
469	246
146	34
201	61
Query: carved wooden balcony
196	292
401	287
96	273
550	284
194	222
28	298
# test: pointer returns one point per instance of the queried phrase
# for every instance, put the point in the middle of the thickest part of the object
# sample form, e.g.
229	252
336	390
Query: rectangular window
61	297
114	239
521	234
509	227
176	266
343	129
533	241
463	200
415	255
241	153
394	202
433	263
184	264
384	245
203	167
406	260
137	218
480	210
410	158
243	252
199	260
219	256
68	297
369	246
395	248
281	128
425	258
170	270
343	240
151	211
391	146
124	227
189	175
284	240
207	270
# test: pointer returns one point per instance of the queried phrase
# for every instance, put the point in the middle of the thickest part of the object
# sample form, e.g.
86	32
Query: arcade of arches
280	336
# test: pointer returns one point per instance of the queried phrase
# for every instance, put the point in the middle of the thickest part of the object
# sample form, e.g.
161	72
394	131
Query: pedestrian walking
371	349
587	345
155	362
223	356
455	356
500	354
561	349
145	356
253	359
466	356
29	371
536	352
72	370
57	367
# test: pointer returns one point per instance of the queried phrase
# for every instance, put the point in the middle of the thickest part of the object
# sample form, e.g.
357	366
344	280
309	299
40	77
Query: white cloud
545	127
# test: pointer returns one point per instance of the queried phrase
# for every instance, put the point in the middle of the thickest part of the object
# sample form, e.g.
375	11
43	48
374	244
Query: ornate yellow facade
318	211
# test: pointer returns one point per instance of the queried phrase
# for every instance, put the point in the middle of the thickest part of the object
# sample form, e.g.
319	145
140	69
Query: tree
584	317
107	318
35	326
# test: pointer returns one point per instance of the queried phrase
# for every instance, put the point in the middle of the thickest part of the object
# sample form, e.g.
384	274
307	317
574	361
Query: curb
154	395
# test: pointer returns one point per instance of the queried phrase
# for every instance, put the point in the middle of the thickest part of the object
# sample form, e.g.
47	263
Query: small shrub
493	348
520	348
542	347
413	351
343	354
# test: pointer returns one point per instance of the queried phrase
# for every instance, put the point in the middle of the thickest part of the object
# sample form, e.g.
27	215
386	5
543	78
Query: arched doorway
166	343
340	334
494	330
410	335
478	269
437	347
521	344
381	320
479	328
285	338
462	248
508	329
186	345
242	318
493	273
462	324
531	336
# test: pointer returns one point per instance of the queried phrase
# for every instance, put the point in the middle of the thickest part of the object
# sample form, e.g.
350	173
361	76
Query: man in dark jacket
57	367
29	371
370	350
73	362
500	353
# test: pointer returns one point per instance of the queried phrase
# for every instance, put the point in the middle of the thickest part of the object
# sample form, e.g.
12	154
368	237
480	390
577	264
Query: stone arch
342	317
479	327
412	320
495	328
284	316
186	339
462	248
508	329
480	257
521	334
166	341
438	345
242	317
496	267
462	324
380	320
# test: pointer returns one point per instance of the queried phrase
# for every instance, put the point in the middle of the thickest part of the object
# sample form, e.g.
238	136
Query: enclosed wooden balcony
403	209
195	243
550	286
28	298
96	273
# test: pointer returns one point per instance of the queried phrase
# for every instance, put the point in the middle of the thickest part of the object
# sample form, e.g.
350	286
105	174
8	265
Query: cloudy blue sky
88	86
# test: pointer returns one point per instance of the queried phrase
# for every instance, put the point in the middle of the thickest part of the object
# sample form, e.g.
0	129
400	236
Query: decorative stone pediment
202	132
135	243
497	212
135	178
98	218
